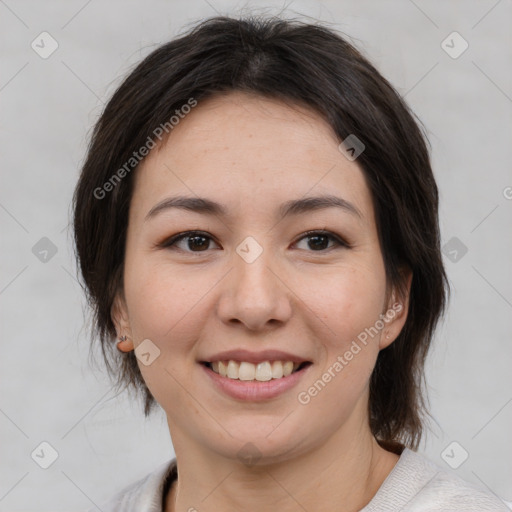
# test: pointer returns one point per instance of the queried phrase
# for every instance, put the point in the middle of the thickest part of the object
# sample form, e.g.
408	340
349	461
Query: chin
260	446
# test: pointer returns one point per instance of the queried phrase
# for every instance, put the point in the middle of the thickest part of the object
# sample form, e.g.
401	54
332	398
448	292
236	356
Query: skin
252	154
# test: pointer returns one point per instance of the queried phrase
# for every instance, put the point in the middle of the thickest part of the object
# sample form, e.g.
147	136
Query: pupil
193	245
316	242
319	245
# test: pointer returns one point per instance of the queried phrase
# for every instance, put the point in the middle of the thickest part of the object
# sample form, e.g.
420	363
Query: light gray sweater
414	485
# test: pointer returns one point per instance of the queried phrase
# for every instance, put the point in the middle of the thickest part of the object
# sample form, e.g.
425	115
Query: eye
318	240
199	241
194	240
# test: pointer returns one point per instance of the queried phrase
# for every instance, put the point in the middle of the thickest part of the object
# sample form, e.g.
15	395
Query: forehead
250	151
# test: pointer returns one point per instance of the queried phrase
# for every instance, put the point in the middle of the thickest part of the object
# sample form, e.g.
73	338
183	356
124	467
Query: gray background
50	392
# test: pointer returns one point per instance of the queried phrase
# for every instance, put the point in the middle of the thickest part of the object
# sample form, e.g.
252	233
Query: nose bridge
253	278
256	293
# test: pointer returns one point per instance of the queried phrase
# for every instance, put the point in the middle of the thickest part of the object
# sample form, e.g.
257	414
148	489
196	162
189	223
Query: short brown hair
306	64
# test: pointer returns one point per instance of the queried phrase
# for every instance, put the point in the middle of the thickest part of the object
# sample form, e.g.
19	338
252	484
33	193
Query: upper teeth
248	371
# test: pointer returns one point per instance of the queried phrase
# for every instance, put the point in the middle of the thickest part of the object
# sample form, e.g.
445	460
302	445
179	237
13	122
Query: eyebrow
293	207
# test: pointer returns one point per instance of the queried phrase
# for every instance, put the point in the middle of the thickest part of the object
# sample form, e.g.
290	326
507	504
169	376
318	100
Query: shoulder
143	495
448	492
418	485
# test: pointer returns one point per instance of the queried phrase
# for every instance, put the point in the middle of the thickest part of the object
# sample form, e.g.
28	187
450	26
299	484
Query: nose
255	294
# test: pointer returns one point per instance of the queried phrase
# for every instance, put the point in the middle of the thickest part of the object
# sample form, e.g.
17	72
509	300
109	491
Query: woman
257	223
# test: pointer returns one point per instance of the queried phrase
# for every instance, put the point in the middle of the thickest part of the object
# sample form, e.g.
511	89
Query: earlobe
124	344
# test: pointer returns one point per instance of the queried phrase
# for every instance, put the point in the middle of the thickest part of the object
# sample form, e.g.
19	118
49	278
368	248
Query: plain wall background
49	392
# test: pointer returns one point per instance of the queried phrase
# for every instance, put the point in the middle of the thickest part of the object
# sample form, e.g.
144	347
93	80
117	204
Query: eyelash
171	242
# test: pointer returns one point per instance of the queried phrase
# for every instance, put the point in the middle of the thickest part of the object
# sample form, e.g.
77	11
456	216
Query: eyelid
171	241
324	232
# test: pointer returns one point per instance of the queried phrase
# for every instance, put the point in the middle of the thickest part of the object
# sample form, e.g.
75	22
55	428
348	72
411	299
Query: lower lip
255	390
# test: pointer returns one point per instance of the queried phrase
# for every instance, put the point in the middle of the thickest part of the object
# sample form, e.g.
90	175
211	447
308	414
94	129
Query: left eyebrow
292	207
308	204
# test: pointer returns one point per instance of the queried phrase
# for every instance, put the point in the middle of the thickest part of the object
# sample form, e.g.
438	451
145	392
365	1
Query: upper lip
254	357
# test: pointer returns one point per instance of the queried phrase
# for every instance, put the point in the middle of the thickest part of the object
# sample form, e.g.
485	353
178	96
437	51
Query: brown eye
197	241
194	242
318	241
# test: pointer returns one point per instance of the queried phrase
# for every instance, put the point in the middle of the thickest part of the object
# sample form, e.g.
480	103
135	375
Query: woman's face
254	281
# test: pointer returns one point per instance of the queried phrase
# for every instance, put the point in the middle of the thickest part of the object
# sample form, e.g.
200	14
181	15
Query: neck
342	474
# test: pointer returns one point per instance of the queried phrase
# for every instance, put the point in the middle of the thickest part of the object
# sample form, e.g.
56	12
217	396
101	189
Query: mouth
258	381
256	372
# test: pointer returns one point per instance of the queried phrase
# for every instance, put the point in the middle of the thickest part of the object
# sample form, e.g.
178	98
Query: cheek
349	305
163	308
161	302
347	300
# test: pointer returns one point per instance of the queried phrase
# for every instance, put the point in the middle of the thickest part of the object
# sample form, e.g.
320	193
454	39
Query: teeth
263	371
277	370
233	370
248	371
287	368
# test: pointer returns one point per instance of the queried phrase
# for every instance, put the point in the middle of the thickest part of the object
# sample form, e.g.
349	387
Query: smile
254	382
263	371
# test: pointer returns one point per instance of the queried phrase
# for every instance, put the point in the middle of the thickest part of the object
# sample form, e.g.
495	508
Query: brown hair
295	62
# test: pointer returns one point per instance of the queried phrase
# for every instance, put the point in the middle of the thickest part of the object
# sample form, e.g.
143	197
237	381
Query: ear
120	318
395	314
